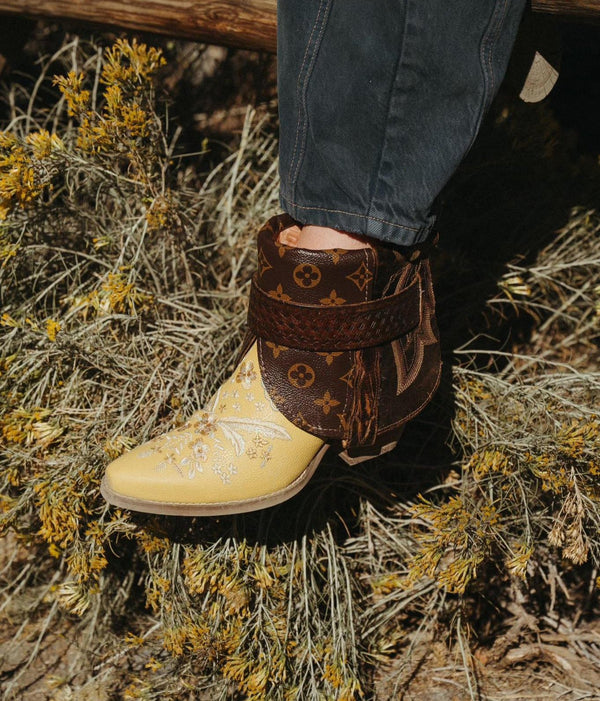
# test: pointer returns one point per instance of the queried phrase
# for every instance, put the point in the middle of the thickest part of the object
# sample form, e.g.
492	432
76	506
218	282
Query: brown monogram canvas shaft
348	342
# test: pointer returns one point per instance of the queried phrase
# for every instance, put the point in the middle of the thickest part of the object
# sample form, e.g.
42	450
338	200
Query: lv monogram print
357	397
307	275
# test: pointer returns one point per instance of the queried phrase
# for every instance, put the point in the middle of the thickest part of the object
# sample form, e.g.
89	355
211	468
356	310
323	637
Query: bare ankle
322	238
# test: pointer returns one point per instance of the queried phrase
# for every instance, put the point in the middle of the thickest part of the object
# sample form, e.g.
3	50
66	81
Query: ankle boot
347	340
342	351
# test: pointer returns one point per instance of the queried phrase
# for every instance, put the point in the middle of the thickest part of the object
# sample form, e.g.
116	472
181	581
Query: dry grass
123	280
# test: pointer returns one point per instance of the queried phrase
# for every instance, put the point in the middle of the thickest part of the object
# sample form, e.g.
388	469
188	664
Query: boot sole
355	457
173	508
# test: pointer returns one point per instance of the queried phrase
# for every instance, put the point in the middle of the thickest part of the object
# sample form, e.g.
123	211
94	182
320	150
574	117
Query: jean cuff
354	223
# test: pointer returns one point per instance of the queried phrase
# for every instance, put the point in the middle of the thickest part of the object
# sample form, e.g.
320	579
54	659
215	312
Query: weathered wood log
575	9
248	24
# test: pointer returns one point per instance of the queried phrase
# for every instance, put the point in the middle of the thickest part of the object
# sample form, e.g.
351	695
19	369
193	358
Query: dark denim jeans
379	102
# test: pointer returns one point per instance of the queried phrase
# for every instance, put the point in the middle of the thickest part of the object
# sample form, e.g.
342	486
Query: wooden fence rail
242	23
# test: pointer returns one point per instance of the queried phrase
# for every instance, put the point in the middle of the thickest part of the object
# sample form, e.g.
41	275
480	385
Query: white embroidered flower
185	452
200	451
266	456
246	374
193	467
225	478
204	423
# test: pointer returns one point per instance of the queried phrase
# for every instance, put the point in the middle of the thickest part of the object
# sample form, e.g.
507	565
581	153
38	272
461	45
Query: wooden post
248	24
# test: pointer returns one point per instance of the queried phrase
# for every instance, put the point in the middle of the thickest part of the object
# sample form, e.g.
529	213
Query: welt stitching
301	112
354	214
347	398
368	253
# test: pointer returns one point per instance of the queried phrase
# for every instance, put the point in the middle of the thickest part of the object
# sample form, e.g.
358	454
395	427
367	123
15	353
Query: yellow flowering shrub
123	274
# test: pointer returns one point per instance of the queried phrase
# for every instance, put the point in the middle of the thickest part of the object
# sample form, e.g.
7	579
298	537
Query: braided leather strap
334	328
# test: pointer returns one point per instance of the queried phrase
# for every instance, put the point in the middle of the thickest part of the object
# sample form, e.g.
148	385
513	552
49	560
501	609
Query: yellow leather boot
343	350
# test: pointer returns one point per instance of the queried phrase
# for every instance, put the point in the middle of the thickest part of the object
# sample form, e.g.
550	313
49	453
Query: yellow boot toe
239	454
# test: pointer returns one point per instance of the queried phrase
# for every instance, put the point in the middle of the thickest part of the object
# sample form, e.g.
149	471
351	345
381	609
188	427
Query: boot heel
354	456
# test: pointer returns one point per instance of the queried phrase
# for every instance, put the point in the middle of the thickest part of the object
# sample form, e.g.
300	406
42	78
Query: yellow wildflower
8	320
116	446
43	144
131	63
26	427
73	597
71	86
52	328
8	249
517	563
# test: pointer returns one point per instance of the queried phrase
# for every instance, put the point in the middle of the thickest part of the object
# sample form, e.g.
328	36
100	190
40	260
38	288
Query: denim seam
485	53
355	214
302	126
399	63
298	90
498	29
